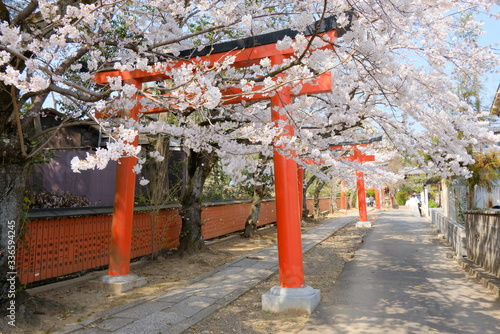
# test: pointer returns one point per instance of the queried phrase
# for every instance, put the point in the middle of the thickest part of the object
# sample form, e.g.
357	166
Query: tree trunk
160	193
334	192
13	170
305	210
352	199
199	166
251	222
319	185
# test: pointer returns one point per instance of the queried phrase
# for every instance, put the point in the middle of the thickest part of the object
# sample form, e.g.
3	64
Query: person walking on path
414	203
401	281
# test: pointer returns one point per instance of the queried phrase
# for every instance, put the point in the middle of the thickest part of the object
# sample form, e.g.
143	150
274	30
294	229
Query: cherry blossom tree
391	75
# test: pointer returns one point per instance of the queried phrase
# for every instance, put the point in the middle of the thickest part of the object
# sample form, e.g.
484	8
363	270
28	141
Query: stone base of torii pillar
364	224
280	299
118	284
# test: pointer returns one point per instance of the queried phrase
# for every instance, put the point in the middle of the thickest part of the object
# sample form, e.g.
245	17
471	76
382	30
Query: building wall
98	186
454	196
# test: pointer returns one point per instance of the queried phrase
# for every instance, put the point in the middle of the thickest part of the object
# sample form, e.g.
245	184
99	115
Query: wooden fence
63	242
483	239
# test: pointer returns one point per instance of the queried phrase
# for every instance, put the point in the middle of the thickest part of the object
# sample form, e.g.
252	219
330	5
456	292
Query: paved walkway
177	309
401	281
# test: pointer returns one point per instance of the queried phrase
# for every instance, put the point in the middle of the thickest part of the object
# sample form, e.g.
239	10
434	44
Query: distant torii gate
360	183
247	52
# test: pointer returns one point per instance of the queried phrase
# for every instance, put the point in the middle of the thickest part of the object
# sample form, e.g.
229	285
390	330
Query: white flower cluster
157	156
122	145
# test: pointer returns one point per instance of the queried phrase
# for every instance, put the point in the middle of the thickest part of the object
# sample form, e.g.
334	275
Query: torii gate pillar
360	184
343	206
378	204
287	208
292	292
363	215
119	279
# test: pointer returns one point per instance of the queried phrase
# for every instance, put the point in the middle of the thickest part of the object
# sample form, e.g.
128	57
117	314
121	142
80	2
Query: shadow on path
401	281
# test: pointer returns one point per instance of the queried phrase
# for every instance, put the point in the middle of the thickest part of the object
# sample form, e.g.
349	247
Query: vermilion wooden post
377	199
360	183
291	269
123	210
342	196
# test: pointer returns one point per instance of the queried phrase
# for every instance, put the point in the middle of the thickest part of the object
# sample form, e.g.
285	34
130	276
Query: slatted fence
71	241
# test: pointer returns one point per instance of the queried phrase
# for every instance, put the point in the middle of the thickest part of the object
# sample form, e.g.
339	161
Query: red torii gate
360	183
246	52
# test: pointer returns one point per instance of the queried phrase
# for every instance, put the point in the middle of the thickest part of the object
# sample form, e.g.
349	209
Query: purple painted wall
97	186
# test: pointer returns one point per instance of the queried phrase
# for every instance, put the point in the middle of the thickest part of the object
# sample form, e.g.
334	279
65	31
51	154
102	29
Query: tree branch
71	60
18	120
25	13
84	95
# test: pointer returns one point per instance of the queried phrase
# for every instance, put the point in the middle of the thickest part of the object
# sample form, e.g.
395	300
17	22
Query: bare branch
25	13
83	94
71	60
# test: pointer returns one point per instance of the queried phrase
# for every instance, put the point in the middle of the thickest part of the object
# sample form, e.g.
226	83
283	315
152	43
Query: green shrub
432	203
401	197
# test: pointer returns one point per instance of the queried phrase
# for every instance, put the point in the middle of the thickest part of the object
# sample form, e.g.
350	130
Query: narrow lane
401	281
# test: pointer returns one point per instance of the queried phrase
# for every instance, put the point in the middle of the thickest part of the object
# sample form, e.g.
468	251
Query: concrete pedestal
363	224
118	284
280	299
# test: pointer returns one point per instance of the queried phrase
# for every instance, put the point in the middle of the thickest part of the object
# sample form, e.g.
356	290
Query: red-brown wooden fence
54	247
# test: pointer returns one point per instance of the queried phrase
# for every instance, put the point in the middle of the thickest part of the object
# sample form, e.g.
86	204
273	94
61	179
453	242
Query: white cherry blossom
391	75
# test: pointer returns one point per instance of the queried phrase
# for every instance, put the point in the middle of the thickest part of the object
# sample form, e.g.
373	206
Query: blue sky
491	36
